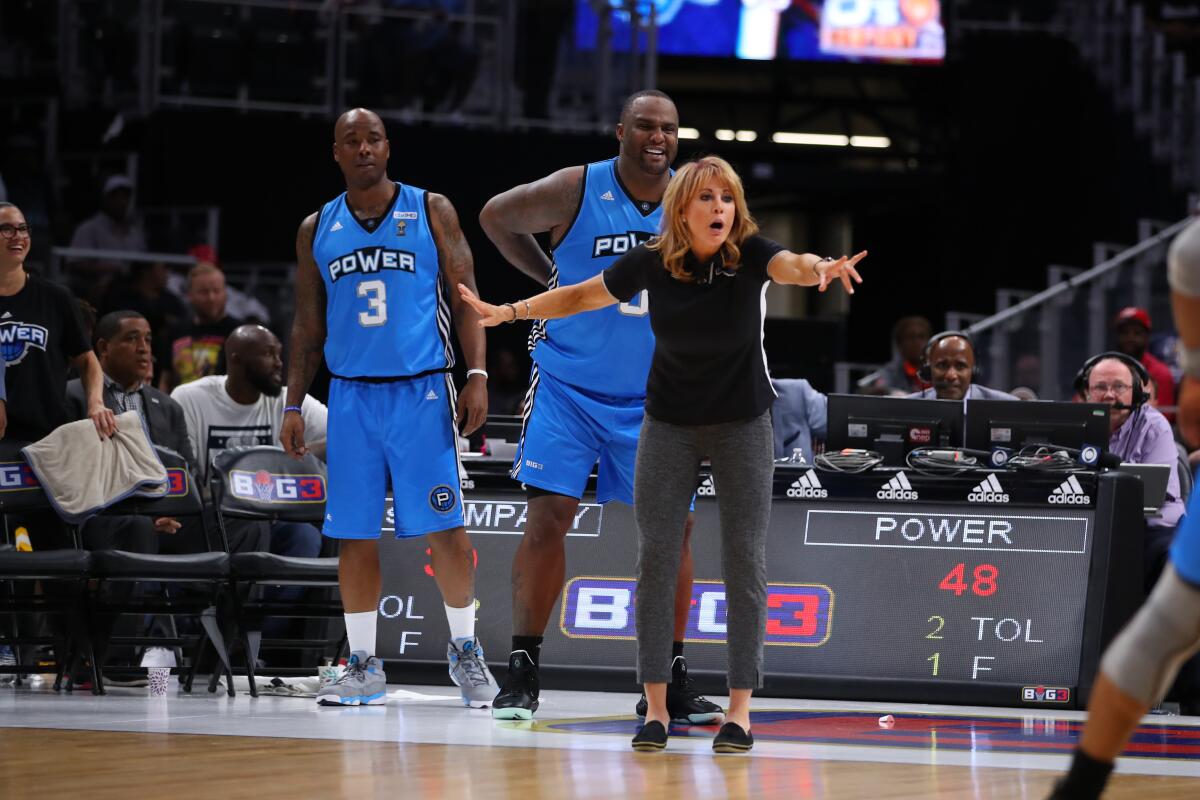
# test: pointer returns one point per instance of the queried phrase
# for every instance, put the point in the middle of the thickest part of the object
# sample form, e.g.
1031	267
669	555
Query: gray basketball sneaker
470	672
361	684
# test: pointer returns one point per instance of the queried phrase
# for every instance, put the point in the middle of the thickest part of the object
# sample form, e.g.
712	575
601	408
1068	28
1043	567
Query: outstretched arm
554	304
308	338
805	269
459	270
511	218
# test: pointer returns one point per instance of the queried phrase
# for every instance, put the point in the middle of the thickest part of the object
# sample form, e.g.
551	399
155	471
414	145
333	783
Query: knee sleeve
1144	659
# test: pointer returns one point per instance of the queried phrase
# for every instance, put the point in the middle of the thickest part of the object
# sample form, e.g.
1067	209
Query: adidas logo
432	395
1069	493
989	491
607	196
6	315
807	487
898	488
337	226
707	489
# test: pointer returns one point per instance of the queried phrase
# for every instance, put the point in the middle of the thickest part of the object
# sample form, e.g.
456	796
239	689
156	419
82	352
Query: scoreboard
989	588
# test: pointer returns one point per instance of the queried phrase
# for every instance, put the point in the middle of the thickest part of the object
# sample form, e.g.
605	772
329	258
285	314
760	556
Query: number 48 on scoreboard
983	583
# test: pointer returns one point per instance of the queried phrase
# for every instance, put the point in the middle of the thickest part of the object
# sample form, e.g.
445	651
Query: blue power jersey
606	351
386	313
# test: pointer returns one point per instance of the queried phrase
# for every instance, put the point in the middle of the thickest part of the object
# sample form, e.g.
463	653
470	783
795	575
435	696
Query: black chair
264	483
206	573
62	574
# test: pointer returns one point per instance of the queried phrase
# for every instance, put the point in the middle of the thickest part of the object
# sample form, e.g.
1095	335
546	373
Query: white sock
462	621
360	630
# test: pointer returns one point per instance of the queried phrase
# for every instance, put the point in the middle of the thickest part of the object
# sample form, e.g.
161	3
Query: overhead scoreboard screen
833	30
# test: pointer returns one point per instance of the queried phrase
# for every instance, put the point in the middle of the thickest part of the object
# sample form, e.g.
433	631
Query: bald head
357	116
248	339
255	359
361	149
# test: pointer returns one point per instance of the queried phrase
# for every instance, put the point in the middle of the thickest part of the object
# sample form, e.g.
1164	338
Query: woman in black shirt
708	394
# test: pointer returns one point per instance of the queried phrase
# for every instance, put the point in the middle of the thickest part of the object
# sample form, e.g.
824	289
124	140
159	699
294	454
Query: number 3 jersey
606	351
386	311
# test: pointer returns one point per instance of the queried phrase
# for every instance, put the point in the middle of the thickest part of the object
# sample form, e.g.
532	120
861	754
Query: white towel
83	474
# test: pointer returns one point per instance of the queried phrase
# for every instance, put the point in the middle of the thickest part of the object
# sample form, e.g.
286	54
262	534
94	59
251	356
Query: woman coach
708	394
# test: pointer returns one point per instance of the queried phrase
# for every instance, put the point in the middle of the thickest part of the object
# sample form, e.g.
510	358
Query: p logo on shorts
442	498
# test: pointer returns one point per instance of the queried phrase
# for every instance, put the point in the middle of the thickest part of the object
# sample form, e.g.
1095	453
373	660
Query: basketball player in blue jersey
370	297
587	391
1142	662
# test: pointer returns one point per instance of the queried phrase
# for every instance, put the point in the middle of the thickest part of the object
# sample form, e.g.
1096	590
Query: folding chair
62	573
264	483
208	572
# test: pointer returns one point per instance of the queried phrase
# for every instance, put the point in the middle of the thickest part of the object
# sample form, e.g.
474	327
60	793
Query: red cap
204	252
1133	314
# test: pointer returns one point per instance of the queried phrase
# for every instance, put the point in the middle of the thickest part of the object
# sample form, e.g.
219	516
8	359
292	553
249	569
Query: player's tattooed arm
547	205
459	268
308	337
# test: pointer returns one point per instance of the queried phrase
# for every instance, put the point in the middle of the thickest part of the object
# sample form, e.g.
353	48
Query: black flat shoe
652	736
732	739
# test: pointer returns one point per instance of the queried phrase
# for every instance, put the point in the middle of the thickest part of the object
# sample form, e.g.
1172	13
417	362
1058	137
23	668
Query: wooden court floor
38	762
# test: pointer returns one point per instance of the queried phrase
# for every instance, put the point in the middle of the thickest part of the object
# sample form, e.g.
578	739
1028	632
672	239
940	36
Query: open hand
489	315
829	271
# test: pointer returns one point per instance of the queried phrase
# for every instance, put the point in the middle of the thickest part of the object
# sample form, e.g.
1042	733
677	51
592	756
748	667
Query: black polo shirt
709	365
40	332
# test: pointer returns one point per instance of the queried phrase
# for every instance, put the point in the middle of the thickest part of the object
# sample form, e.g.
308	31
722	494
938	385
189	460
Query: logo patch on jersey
16	338
337	226
432	395
370	260
608	195
615	244
404	215
442	498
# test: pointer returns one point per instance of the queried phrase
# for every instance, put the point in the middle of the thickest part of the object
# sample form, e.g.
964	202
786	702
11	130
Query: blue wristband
297	409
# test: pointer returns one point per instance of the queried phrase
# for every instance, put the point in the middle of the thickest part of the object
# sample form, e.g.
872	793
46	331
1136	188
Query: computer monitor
892	426
1014	424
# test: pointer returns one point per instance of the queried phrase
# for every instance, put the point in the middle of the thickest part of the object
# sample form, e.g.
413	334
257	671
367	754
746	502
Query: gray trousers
668	460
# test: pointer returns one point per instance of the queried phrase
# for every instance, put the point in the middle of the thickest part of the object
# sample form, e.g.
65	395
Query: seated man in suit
123	347
948	362
798	417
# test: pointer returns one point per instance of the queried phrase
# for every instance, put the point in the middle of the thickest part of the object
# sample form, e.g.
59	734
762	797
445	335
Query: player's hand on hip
472	405
843	268
489	315
291	435
103	419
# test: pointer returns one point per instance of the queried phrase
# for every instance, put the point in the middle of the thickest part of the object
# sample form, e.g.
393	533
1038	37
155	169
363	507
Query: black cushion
142	566
267	567
44	564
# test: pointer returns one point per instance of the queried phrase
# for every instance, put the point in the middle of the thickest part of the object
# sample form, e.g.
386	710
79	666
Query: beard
265	384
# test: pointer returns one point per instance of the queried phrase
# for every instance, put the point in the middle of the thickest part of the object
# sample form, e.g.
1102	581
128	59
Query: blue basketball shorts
1185	547
567	430
404	429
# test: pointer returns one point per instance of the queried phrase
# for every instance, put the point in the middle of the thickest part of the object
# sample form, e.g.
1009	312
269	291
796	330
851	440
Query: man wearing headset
1140	434
948	362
